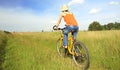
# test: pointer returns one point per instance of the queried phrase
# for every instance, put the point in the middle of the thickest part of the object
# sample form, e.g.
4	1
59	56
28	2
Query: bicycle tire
82	57
59	47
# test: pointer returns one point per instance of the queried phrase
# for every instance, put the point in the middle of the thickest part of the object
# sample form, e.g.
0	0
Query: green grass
36	51
104	49
3	42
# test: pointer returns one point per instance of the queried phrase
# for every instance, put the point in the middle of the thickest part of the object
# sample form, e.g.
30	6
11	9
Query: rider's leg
65	41
66	31
76	28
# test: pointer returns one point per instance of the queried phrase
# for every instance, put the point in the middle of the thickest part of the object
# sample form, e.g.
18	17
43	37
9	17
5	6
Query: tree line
96	26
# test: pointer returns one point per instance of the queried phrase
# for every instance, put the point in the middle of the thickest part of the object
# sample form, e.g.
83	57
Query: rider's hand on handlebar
55	27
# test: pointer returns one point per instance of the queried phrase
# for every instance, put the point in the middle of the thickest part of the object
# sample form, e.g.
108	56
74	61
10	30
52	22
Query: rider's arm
60	18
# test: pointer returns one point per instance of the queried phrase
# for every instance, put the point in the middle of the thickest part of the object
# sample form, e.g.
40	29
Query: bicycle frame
70	42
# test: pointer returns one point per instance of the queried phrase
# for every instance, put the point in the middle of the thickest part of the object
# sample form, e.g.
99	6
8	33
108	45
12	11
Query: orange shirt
70	20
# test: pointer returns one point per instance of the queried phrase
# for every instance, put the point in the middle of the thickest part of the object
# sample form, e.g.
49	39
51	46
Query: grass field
36	51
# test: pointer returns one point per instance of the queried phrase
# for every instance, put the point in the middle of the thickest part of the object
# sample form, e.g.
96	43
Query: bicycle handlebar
61	28
55	28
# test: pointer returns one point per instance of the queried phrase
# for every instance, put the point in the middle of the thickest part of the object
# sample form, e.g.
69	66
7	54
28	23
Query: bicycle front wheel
59	47
81	56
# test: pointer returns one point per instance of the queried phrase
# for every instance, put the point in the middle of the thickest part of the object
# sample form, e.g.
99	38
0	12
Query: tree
110	26
104	27
94	26
117	25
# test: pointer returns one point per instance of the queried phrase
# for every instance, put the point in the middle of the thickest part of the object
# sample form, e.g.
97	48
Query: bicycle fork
70	45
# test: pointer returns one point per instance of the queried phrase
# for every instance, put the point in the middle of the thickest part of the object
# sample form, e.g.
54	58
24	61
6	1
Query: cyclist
71	24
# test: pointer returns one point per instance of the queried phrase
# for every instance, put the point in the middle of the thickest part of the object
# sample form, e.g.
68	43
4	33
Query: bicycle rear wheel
81	56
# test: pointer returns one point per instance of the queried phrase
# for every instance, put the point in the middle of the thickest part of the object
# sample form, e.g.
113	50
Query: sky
38	15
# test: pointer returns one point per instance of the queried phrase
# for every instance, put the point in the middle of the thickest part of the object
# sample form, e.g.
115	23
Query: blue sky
37	15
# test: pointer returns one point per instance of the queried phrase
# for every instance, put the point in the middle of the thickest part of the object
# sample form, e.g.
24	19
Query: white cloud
94	11
15	19
114	3
75	2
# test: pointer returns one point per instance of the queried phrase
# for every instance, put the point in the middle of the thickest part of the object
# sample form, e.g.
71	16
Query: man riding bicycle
71	24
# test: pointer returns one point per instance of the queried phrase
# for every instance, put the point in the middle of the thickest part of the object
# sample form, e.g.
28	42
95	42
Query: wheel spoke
81	58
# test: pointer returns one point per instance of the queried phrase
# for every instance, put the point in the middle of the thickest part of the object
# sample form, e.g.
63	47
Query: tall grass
36	51
104	49
3	42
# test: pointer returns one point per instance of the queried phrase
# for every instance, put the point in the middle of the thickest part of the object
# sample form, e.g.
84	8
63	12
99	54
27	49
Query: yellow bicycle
76	49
